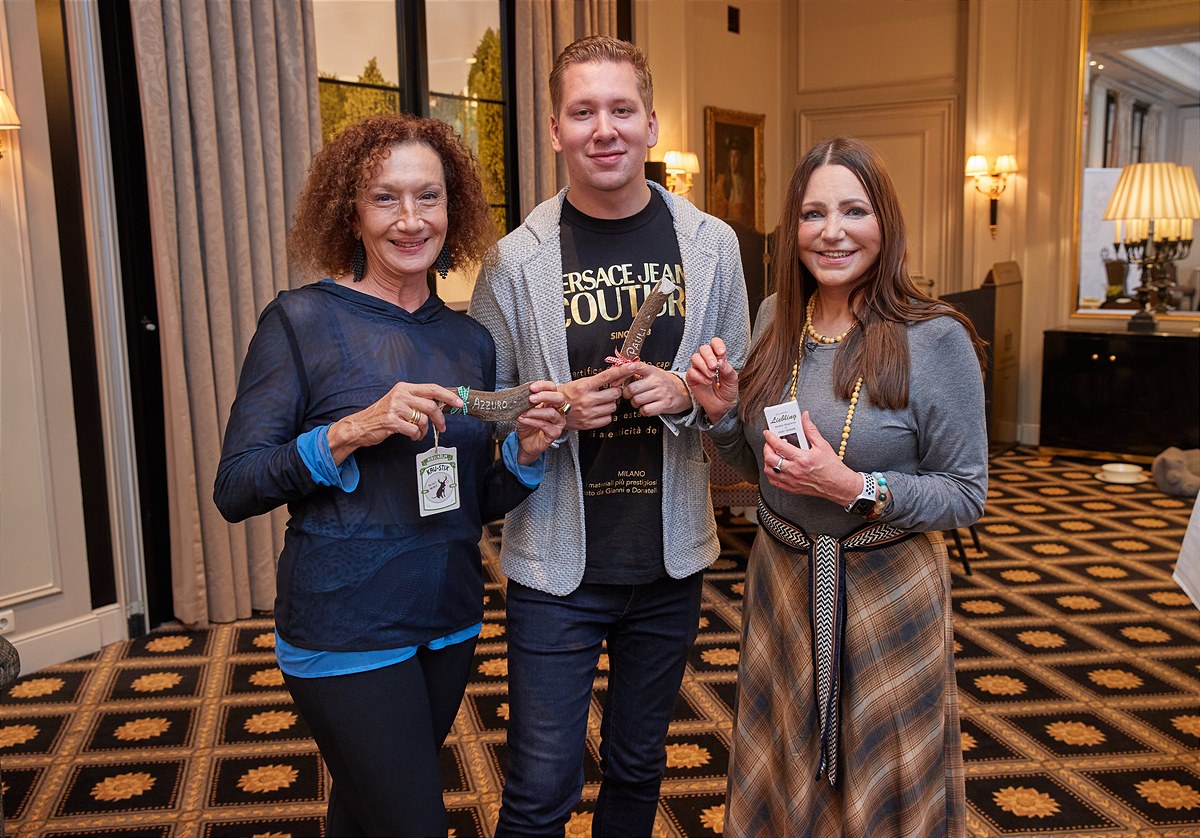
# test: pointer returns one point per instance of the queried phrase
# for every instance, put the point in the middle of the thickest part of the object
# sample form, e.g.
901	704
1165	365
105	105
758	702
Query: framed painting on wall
733	166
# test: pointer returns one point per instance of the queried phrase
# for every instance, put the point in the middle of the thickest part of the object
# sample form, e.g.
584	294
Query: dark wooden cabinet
1120	394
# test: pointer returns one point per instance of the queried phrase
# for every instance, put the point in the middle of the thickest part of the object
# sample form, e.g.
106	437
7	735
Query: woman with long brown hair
847	717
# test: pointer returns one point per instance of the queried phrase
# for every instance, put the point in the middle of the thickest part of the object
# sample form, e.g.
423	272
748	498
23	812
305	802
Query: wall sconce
1157	202
9	121
680	166
991	180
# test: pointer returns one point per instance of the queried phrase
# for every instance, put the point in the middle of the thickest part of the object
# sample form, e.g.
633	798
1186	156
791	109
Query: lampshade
1186	186
1147	190
681	161
1006	164
8	114
977	165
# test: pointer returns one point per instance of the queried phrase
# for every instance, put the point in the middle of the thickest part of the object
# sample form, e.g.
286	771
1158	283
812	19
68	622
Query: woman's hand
407	409
654	391
542	423
816	472
713	380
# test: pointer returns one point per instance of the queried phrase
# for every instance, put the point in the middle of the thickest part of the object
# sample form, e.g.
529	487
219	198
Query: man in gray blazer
610	548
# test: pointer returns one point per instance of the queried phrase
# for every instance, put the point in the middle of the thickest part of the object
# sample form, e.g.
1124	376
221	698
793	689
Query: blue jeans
554	645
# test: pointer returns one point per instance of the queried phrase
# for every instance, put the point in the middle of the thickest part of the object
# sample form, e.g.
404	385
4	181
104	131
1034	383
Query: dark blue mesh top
362	570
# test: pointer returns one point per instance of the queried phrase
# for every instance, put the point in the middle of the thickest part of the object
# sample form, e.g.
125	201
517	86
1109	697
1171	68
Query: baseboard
70	639
1029	434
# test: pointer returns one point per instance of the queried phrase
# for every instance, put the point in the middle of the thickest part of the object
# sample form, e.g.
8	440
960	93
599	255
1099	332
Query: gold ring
415	416
564	408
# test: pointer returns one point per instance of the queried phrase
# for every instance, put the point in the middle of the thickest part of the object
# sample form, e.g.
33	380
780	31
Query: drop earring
442	263
358	261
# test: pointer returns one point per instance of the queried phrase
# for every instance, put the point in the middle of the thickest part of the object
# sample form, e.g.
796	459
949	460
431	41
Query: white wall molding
11	598
1028	433
100	238
28	502
890	34
69	639
914	137
43	563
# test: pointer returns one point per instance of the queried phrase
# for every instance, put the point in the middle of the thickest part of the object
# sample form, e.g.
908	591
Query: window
1110	127
440	58
356	61
466	87
1137	132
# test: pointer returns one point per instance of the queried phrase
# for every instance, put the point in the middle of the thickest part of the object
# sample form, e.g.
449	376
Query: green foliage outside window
344	104
481	123
483	82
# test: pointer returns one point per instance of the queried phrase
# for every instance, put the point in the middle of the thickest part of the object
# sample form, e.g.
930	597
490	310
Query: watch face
862	506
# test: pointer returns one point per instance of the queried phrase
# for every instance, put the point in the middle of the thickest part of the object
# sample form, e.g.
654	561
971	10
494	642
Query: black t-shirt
609	267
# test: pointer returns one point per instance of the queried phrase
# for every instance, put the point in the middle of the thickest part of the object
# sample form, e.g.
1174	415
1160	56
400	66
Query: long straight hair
883	304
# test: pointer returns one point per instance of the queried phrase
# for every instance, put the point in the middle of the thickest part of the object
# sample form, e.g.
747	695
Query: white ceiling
1165	73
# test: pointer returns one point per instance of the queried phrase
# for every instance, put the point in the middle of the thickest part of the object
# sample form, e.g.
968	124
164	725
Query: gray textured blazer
519	299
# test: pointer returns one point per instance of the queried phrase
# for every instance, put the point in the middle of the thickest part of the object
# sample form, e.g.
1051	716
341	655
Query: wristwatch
865	502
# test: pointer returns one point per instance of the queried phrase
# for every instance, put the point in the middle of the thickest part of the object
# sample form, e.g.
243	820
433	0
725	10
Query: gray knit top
933	452
519	299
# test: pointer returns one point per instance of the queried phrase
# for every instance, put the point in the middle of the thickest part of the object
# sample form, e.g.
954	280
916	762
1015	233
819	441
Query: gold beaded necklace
808	327
813	333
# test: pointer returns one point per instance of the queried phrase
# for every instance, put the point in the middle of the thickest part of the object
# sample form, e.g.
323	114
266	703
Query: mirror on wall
1141	104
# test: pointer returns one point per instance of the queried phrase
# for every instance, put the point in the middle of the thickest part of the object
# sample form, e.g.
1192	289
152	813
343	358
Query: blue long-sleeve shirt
362	570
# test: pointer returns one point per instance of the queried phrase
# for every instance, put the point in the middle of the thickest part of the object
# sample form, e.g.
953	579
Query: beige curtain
543	28
231	120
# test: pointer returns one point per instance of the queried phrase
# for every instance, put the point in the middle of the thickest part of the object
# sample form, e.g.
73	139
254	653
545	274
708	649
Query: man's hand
593	399
655	391
541	423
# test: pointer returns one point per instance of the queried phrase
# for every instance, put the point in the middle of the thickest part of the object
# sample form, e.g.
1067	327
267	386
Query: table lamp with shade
1153	207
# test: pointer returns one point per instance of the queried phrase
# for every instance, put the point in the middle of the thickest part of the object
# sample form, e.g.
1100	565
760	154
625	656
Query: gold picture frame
734	180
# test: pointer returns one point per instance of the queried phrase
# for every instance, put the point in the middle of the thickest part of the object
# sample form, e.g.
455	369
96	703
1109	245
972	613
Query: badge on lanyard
437	480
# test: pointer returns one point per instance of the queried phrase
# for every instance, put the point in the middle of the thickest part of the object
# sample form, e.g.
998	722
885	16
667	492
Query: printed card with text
784	421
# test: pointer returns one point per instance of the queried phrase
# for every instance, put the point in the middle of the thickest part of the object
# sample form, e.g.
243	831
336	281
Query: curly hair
323	229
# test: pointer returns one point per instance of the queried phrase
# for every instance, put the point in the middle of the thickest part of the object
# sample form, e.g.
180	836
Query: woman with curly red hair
339	414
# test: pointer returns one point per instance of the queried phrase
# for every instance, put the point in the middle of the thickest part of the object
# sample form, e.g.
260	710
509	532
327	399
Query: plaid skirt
901	766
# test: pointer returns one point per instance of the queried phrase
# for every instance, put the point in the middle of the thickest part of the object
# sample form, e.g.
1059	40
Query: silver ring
778	467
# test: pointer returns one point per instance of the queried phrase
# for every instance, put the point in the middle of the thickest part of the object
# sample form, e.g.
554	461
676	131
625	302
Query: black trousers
379	732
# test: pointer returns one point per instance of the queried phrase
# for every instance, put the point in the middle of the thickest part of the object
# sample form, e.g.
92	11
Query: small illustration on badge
437	480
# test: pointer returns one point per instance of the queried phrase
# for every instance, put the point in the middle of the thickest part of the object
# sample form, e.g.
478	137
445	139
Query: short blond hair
596	48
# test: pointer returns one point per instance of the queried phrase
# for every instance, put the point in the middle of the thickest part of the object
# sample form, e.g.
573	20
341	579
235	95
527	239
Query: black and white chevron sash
827	615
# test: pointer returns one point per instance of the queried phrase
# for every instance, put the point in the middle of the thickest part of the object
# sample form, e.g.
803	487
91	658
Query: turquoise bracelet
881	498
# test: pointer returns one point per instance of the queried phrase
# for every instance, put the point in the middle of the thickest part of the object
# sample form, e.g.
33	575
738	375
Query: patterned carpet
1079	676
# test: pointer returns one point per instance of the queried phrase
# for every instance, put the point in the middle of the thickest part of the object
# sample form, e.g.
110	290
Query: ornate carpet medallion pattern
1076	658
1078	664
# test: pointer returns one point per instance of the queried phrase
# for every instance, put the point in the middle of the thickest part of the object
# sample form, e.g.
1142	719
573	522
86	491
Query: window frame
413	59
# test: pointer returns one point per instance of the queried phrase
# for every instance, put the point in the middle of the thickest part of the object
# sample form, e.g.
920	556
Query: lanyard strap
827	611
